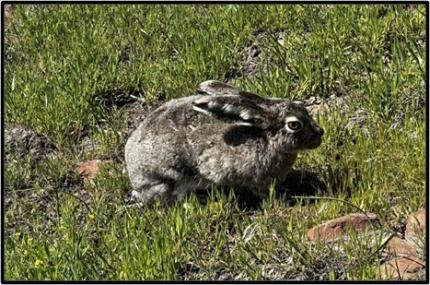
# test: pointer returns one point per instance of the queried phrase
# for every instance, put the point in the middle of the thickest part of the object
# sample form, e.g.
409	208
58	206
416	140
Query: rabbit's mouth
316	142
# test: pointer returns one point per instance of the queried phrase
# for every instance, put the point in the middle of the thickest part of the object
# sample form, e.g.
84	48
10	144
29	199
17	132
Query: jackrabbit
222	136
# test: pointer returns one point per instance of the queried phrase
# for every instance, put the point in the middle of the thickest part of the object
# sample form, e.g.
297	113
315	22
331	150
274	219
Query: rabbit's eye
293	124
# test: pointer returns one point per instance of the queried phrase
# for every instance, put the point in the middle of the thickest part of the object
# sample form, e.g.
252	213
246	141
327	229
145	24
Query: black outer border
426	3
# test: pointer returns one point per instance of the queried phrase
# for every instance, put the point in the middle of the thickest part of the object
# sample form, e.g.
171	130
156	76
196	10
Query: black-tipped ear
299	103
243	111
218	88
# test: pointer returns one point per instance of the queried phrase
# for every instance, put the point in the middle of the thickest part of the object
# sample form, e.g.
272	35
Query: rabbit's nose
319	131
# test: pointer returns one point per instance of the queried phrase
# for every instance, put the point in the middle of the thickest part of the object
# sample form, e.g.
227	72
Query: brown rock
400	247
402	268
415	225
89	169
337	228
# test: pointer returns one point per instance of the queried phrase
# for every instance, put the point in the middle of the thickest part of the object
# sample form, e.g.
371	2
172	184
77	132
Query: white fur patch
212	104
245	115
203	111
243	124
229	108
292	119
138	196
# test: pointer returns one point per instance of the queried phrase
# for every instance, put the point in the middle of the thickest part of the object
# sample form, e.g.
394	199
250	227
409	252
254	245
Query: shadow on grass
300	186
297	183
326	182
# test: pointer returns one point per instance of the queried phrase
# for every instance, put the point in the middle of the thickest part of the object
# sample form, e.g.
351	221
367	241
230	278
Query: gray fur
228	138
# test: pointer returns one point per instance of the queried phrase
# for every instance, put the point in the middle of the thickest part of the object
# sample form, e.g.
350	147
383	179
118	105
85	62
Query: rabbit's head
286	124
296	129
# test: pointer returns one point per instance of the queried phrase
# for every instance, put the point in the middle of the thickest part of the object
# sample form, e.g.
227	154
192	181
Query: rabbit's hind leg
152	189
184	186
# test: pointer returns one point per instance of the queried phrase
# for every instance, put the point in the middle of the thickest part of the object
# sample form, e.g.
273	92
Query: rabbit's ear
218	88
245	112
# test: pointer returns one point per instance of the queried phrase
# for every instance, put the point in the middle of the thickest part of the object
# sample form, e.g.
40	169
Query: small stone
415	225
400	247
89	169
336	228
402	268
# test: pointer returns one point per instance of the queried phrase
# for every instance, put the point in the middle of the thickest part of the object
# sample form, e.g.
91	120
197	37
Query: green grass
60	57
